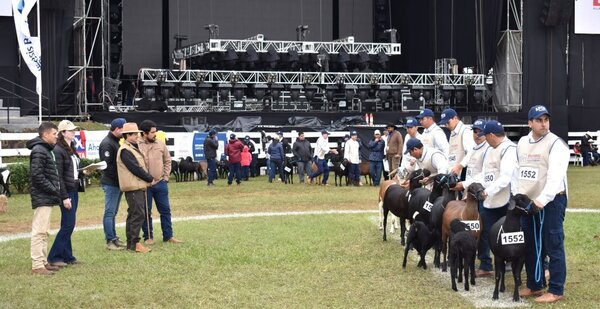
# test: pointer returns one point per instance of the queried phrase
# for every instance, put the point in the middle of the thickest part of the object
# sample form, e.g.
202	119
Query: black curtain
56	28
544	66
433	29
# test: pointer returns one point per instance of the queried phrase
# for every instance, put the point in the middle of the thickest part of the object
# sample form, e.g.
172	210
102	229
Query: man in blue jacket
376	146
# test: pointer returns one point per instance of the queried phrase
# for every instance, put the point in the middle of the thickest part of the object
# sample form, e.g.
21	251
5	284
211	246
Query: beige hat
130	127
377	132
66	125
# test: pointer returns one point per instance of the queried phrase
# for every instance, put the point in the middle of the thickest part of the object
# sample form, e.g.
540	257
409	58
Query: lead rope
539	270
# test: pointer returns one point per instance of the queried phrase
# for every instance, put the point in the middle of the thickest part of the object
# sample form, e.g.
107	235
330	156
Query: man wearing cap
433	136
352	154
542	176
321	149
427	158
376	147
110	183
211	144
408	162
394	147
476	158
134	179
158	161
234	152
499	164
301	150
461	142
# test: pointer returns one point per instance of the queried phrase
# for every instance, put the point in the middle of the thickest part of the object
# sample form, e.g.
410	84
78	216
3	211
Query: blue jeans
375	169
553	237
488	218
112	198
160	194
323	168
234	168
245	172
212	170
61	250
276	165
354	172
303	167
586	157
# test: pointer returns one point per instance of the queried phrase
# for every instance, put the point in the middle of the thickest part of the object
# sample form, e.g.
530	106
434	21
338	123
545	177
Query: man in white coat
352	154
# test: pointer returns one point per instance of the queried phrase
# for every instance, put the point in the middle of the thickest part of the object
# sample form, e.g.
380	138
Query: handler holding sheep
542	176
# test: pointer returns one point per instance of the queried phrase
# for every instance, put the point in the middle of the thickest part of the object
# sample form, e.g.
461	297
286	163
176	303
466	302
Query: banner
587	16
29	46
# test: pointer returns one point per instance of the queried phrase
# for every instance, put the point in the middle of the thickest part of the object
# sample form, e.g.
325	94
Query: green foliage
19	176
94	177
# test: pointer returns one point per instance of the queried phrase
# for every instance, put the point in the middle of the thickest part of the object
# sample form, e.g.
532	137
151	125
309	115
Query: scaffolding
508	69
90	39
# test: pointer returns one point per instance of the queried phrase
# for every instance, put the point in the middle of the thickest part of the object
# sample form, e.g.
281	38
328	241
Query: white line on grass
5	238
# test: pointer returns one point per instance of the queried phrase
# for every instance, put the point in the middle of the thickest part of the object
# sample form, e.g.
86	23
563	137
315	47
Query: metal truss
297	78
302	47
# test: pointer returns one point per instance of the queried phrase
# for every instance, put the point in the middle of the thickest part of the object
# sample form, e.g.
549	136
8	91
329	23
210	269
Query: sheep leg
453	270
473	269
517	266
380	204
502	267
460	265
422	261
444	251
467	268
402	230
392	230
385	214
406	249
437	250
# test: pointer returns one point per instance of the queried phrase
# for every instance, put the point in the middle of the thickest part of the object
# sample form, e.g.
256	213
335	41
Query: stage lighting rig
302	32
213	31
393	34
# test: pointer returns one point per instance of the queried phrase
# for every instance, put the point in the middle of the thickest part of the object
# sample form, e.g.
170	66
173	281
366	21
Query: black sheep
395	200
421	238
340	170
419	207
514	248
440	196
175	170
463	247
289	170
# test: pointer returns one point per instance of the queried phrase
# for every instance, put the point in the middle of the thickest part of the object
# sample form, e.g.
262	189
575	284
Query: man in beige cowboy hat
133	180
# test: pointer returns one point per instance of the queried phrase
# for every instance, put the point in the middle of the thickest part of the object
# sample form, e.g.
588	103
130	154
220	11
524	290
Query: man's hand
404	184
67	203
538	204
397	156
334	151
456	170
459	187
425	180
153	183
412	162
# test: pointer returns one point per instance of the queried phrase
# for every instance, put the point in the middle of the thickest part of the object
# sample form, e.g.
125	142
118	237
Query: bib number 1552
512	238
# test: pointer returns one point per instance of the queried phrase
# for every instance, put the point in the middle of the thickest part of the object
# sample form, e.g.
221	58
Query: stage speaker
556	12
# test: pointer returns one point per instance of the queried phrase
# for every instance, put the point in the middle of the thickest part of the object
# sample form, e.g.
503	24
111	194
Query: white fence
181	144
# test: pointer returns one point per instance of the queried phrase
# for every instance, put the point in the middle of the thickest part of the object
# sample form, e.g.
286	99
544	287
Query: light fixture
295	92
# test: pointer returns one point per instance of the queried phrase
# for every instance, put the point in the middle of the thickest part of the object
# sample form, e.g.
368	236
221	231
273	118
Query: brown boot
527	292
42	271
141	249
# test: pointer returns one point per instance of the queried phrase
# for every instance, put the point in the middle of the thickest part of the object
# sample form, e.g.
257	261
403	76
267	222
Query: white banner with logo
30	46
587	16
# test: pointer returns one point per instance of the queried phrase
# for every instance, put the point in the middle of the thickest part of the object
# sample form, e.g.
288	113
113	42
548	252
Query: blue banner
198	144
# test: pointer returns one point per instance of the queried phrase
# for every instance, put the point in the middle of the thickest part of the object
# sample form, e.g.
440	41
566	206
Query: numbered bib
528	173
452	159
342	167
488	177
474	225
427	206
287	169
512	238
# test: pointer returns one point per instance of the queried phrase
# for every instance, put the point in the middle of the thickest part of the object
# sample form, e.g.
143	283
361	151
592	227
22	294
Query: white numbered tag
451	159
427	206
488	177
512	238
472	224
528	173
287	169
342	167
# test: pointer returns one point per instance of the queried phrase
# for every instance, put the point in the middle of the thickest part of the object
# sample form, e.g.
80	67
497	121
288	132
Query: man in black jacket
45	193
210	153
586	149
302	153
110	183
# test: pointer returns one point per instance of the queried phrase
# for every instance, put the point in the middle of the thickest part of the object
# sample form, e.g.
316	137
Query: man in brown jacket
158	161
133	180
395	145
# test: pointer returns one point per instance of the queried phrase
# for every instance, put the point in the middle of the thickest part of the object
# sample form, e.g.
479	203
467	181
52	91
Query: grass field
334	260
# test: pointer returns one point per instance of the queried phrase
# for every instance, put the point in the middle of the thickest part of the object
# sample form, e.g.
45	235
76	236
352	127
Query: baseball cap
537	112
117	123
390	125
411	122
425	113
447	114
232	136
478	124
280	133
352	133
492	126
247	137
212	132
66	125
324	132
377	132
412	144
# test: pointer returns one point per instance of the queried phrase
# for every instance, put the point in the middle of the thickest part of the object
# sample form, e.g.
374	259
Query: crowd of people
139	168
536	166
